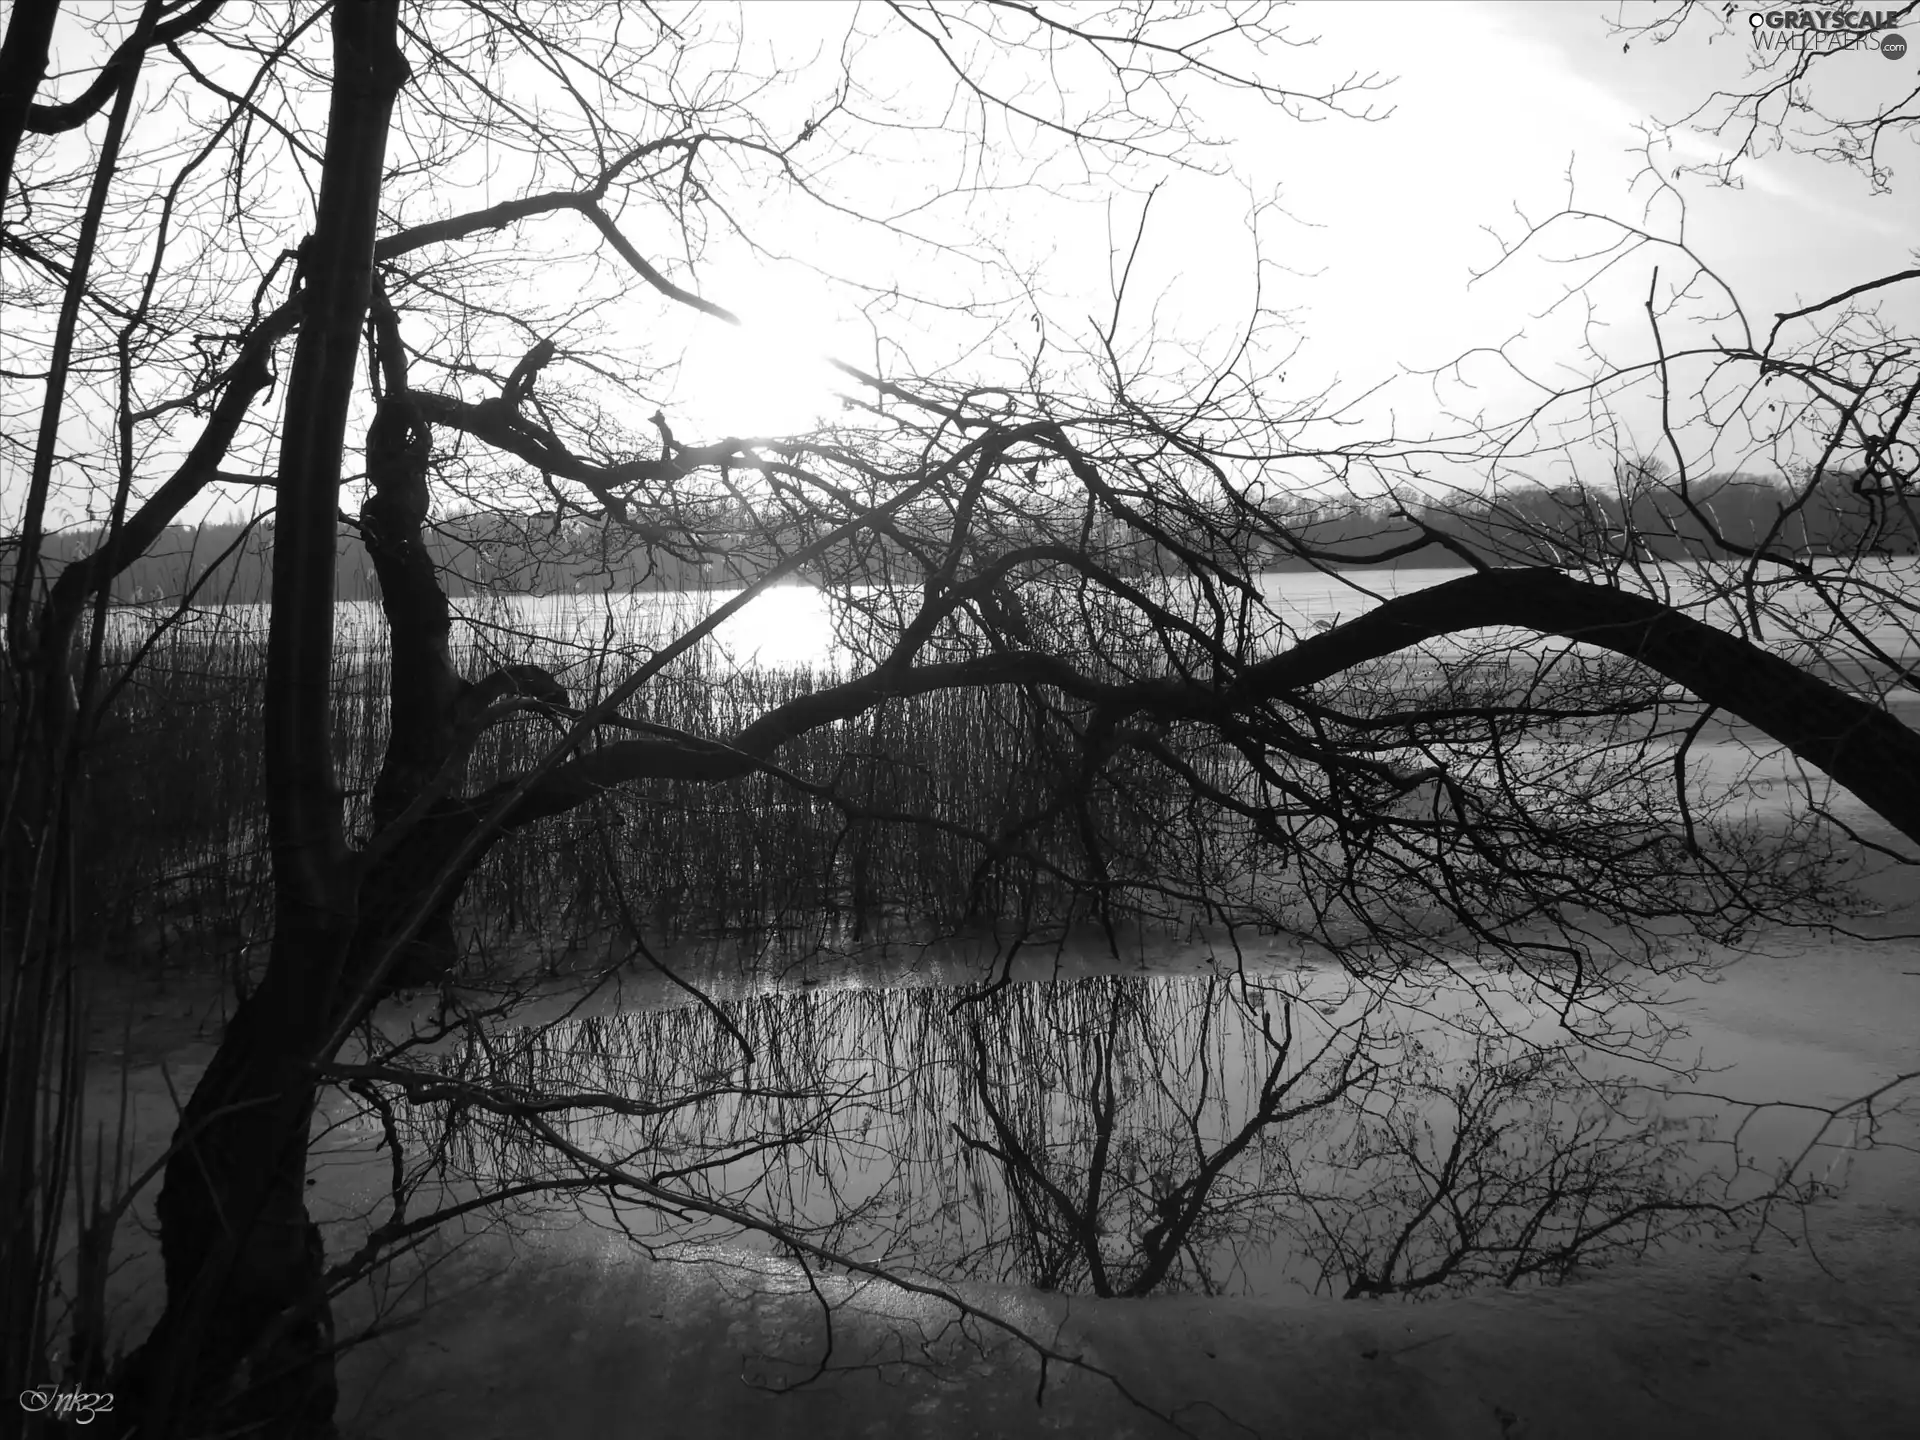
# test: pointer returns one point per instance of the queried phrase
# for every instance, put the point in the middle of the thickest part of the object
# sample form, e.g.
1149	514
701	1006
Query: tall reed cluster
883	819
173	824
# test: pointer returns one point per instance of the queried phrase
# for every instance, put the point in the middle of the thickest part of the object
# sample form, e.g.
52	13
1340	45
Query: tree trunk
23	65
419	618
240	1250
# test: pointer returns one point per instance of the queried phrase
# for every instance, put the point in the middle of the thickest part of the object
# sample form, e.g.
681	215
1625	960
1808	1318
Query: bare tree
1081	555
1794	106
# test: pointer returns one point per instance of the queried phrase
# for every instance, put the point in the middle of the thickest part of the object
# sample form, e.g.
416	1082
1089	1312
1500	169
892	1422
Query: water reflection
801	626
1112	1135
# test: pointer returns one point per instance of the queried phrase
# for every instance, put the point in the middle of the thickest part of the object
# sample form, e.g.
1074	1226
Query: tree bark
240	1250
426	688
23	65
53	119
26	577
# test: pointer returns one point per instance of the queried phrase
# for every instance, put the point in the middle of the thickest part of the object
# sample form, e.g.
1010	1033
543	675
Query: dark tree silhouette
1494	766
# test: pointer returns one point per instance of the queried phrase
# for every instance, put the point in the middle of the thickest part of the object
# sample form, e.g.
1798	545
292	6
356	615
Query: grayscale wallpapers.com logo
1806	29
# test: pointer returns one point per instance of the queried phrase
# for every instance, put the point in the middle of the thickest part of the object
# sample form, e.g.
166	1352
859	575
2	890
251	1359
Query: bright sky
1386	223
1493	106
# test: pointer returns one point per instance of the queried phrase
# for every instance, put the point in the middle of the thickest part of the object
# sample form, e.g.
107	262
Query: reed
883	833
173	815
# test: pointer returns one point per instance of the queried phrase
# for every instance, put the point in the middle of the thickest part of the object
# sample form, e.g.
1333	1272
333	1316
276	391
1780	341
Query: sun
769	375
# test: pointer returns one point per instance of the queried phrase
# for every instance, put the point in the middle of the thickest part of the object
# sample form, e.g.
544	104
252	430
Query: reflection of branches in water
1504	1168
1134	1144
1115	1135
1820	1165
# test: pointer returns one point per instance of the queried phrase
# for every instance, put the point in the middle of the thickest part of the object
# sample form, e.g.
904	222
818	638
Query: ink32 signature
64	1403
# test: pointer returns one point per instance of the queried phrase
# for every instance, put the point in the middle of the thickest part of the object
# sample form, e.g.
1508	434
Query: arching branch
53	119
1858	745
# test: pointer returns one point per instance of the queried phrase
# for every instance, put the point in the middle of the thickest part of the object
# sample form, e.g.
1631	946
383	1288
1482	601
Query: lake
796	626
1185	1122
1183	1119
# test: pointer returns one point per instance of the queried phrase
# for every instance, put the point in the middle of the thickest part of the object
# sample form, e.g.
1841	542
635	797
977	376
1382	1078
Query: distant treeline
1538	525
229	562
